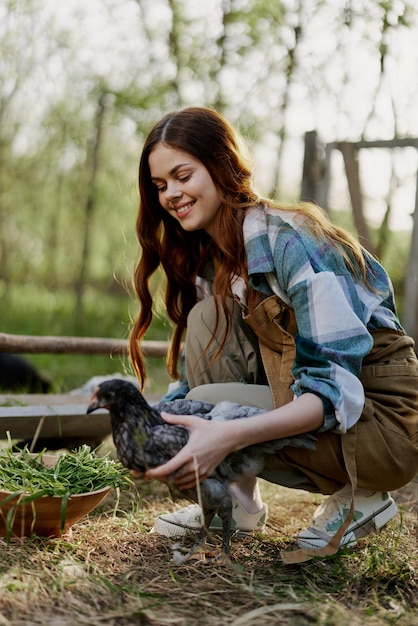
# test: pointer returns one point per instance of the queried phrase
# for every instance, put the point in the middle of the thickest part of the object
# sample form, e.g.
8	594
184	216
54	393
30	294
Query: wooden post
410	314
350	153
320	195
311	168
324	182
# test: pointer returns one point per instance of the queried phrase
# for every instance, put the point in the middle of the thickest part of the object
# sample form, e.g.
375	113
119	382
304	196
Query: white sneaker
190	519
372	510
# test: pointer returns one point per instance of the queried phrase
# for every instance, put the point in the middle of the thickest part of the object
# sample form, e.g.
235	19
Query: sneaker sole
167	529
369	525
172	529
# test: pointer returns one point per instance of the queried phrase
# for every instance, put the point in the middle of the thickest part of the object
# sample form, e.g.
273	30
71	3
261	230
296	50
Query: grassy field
112	571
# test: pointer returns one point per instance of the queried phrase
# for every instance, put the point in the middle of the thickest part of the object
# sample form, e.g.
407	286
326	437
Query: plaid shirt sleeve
334	312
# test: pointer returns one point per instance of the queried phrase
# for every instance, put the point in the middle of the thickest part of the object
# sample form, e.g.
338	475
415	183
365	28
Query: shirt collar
256	241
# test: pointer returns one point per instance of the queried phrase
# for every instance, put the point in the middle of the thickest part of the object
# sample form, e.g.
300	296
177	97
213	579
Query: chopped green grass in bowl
26	478
73	473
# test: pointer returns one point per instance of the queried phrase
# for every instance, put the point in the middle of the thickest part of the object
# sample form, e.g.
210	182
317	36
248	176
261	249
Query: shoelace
333	507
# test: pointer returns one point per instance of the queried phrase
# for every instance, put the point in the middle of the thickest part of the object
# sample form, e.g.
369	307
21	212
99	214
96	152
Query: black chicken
144	440
19	376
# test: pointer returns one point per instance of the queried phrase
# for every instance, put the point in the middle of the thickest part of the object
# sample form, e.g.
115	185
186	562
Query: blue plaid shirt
334	311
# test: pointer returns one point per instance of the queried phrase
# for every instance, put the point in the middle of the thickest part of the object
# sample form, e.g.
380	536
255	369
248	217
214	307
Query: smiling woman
274	299
185	187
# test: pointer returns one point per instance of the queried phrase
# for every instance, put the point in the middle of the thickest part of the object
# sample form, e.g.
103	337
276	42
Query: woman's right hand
207	447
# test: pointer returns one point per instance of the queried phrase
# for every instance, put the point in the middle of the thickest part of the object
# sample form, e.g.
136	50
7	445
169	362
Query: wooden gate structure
316	180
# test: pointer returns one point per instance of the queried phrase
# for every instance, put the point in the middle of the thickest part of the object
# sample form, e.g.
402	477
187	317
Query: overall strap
274	323
348	444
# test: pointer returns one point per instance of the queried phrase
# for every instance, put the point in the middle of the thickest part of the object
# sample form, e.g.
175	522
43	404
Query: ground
111	570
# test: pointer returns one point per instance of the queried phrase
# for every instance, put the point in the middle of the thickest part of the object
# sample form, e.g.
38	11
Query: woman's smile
183	209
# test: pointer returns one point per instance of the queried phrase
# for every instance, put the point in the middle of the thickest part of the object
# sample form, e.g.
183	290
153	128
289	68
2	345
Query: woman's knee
203	314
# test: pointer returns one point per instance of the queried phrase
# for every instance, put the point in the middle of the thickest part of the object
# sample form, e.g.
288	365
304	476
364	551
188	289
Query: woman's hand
210	442
206	448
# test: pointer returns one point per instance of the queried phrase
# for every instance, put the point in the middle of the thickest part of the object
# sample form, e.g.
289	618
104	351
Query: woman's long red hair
209	138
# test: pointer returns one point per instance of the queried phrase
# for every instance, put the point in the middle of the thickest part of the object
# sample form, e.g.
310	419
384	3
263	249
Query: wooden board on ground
52	417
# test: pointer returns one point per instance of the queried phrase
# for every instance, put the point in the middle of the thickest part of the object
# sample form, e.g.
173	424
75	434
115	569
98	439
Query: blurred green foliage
77	101
37	310
29	310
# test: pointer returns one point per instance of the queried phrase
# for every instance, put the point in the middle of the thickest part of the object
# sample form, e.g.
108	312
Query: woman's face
185	188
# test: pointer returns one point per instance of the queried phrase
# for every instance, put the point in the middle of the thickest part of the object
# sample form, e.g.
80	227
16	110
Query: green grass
29	310
111	570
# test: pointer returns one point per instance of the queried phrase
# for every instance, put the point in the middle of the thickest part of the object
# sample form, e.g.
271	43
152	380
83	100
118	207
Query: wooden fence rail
59	420
76	345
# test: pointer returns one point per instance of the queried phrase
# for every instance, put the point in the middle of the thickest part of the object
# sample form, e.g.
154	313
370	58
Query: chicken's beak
94	402
92	407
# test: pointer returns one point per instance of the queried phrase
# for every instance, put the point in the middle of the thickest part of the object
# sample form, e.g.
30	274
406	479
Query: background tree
275	68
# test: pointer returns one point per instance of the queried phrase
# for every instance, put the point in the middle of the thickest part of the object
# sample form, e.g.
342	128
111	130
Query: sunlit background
82	82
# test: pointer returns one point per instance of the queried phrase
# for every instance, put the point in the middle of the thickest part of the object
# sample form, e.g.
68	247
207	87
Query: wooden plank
31	344
56	399
400	142
64	416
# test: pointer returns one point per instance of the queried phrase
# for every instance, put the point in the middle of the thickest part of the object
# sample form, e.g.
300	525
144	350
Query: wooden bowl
43	516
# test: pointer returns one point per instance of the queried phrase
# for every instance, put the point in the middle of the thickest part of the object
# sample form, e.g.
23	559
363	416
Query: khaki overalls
380	452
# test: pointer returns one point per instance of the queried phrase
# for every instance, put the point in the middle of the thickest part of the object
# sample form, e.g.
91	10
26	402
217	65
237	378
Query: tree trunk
90	205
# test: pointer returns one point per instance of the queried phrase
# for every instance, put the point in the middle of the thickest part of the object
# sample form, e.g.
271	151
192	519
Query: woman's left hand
206	448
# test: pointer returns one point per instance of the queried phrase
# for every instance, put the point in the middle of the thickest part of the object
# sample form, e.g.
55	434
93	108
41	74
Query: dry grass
111	571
